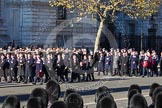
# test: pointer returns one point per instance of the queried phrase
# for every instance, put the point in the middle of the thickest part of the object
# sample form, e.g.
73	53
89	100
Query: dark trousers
36	79
88	77
75	76
133	71
108	71
145	71
160	72
92	75
28	78
61	78
115	71
154	70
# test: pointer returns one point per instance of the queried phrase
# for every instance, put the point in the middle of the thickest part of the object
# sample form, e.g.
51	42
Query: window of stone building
64	40
131	29
160	12
0	8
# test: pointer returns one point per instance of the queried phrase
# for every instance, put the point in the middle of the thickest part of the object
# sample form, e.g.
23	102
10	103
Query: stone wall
33	22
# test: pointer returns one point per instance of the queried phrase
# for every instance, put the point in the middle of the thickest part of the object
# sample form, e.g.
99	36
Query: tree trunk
108	34
98	38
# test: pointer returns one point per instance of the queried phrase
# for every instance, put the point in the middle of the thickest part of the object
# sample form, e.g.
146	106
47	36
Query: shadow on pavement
24	97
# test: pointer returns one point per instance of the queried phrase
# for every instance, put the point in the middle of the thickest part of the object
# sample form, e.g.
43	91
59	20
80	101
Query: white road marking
120	99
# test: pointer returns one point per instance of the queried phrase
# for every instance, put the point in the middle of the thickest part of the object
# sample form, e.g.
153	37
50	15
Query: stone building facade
34	22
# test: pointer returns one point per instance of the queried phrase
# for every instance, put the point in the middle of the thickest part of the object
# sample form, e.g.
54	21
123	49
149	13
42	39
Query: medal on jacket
48	61
38	61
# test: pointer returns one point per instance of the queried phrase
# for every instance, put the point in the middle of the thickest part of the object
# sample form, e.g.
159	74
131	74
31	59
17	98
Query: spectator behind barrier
101	90
138	101
105	94
131	93
101	96
58	104
53	90
74	100
106	102
135	86
11	102
155	92
42	94
158	100
35	102
68	91
152	89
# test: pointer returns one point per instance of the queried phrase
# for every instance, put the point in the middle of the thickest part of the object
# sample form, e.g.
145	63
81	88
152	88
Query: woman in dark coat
124	64
160	63
49	62
133	64
21	68
90	71
2	68
38	70
85	68
75	66
13	67
108	63
101	64
7	68
28	67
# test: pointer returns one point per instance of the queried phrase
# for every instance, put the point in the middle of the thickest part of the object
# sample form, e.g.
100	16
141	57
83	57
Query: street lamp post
141	41
142	34
152	32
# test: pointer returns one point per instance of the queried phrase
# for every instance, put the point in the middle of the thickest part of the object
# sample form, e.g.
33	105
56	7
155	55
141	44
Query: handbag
145	64
40	74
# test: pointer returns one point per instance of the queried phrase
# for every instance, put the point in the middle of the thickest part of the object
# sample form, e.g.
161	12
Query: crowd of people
49	97
65	65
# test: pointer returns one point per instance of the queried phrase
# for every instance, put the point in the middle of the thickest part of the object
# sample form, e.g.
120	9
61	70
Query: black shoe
34	83
83	79
71	82
9	81
78	80
113	74
25	82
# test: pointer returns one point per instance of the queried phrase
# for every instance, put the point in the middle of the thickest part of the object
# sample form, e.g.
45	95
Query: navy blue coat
101	63
13	63
28	66
133	62
2	64
107	62
39	65
49	67
21	66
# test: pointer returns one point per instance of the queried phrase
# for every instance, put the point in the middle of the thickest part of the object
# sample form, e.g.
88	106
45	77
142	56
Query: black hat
152	88
138	101
59	104
100	90
74	100
106	102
